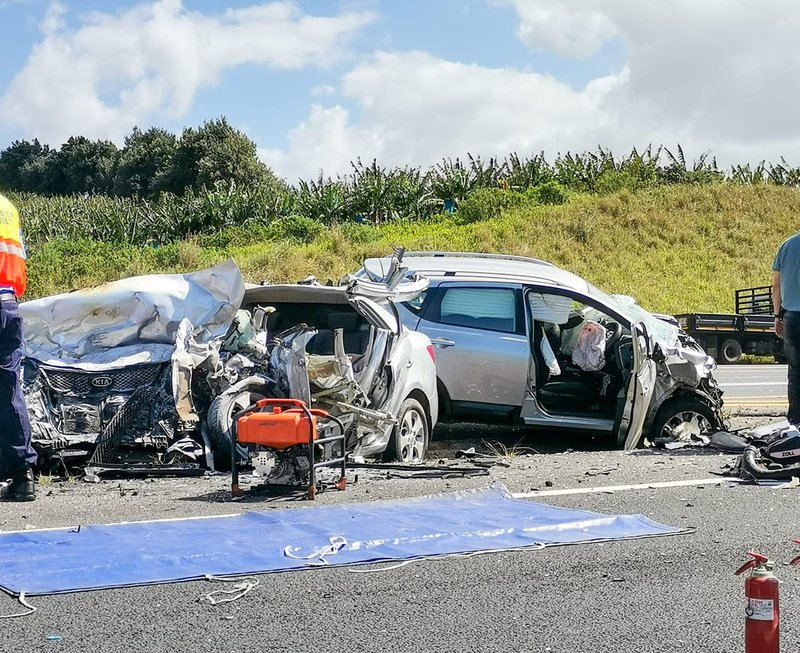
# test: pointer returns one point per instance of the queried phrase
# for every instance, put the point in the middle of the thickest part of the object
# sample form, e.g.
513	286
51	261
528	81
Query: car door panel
475	365
640	388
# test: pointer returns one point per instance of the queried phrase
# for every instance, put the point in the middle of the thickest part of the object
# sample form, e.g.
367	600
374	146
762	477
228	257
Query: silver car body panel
519	270
462	353
413	371
641	386
534	414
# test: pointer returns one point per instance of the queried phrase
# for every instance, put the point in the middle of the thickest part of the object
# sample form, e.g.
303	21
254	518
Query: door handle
441	343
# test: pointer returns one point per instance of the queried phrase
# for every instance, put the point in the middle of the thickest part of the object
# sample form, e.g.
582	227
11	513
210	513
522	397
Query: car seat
356	334
570	390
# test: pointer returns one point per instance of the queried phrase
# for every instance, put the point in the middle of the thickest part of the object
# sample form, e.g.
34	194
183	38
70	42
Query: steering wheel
615	333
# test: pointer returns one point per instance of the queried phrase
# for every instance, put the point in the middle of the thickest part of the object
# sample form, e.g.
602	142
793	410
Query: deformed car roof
471	266
484	267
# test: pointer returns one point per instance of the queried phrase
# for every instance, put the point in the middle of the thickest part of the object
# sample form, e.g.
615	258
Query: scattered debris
600	472
779	485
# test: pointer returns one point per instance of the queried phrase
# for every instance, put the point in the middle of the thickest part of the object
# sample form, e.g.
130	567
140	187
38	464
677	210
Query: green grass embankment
677	249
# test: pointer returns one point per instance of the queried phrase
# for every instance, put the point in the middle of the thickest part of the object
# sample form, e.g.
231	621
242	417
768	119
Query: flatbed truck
750	329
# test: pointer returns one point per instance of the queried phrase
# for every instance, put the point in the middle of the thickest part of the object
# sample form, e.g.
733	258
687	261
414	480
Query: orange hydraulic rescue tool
280	424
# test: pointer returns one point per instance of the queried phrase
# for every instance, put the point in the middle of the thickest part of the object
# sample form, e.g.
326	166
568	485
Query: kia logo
102	382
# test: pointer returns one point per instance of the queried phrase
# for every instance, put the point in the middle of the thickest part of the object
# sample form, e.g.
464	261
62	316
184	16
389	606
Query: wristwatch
779	314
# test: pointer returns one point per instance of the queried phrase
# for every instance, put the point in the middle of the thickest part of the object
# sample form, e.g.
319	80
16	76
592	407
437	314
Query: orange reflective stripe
12	248
13	269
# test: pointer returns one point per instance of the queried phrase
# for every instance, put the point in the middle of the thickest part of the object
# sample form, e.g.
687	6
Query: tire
730	351
220	422
696	415
410	436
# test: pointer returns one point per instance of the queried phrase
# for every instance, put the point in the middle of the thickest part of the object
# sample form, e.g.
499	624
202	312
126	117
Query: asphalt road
753	386
668	594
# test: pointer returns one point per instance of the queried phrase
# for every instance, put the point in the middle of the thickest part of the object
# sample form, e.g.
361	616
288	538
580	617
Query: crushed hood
133	320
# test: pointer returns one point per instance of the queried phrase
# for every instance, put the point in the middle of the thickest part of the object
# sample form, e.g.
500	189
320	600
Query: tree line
150	163
162	187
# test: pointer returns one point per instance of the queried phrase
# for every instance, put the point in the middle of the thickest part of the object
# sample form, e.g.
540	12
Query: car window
480	308
417	303
550	308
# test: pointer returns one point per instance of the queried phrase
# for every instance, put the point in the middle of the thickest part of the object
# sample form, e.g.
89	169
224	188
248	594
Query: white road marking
121	523
619	488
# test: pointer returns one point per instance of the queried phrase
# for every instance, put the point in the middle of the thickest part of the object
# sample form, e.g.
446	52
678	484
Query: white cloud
120	69
720	70
324	89
573	29
325	142
713	75
416	109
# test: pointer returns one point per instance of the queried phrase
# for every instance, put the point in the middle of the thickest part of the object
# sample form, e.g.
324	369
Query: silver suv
519	339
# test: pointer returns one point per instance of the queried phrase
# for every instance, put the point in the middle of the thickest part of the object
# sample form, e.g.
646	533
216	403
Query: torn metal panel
288	362
189	357
130	321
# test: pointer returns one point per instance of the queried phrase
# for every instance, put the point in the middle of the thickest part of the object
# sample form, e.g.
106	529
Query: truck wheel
730	352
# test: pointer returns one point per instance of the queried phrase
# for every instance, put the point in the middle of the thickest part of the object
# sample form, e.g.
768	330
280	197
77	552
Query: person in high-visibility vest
17	456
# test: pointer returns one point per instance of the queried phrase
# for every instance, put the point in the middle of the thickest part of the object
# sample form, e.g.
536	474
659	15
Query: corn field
472	189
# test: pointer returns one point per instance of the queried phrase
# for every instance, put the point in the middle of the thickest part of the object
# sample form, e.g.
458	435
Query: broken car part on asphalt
150	371
770	452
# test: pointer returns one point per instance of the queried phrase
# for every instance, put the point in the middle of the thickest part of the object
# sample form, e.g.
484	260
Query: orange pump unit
279	429
289	429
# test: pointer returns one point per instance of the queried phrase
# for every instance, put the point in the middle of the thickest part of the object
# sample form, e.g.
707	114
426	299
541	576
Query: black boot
22	487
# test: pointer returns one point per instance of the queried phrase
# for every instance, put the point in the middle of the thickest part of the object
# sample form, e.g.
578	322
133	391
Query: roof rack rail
498	257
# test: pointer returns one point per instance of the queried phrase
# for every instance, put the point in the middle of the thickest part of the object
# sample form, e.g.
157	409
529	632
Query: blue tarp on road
97	556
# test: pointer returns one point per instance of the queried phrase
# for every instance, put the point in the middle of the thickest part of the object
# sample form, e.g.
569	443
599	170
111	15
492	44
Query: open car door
640	388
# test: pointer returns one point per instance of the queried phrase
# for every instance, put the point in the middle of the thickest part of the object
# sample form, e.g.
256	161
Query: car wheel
220	422
683	418
730	352
409	440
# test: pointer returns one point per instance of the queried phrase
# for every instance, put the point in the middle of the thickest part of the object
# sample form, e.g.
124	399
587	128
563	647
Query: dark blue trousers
15	429
791	347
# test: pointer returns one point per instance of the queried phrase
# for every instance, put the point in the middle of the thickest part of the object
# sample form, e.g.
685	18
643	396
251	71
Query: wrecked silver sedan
150	371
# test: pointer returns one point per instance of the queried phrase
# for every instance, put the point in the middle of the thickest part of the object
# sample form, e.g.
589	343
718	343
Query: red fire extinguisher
762	615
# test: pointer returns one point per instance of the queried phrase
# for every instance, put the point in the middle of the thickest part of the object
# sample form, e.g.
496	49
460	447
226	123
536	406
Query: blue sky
317	83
